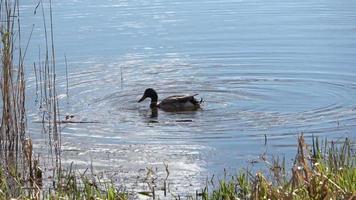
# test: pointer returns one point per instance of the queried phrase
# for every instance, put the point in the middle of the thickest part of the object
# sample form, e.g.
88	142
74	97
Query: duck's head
150	93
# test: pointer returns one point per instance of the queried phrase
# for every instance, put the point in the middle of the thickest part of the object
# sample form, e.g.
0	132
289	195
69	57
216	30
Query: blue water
275	68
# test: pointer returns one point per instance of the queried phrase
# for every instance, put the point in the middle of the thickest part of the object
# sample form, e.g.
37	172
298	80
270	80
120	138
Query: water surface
275	68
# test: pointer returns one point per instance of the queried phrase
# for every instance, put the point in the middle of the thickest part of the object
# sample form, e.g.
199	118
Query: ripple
276	69
243	103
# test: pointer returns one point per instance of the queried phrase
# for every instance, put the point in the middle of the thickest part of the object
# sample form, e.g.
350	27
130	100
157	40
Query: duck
174	103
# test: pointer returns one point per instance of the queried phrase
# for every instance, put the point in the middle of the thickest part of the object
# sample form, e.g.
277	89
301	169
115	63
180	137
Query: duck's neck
154	100
153	104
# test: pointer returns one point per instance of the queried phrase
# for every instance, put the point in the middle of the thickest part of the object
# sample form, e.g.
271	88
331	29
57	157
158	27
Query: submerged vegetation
322	170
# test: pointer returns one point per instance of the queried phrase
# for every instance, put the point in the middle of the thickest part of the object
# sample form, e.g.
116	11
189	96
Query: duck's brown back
179	103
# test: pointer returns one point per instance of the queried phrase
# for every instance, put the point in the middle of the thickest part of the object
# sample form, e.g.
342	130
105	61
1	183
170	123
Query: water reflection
277	68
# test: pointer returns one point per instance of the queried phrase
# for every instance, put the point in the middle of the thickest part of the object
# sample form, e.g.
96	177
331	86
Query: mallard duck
172	103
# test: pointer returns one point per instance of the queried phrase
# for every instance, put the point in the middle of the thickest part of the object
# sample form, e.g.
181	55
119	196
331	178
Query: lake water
276	68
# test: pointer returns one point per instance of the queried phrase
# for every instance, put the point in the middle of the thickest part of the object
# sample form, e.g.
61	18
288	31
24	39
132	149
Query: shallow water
275	68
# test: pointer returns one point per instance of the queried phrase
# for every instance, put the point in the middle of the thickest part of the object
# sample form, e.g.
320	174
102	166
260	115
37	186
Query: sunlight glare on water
278	68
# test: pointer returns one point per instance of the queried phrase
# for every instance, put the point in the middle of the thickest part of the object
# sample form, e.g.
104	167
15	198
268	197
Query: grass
323	170
320	171
71	186
17	164
317	173
80	186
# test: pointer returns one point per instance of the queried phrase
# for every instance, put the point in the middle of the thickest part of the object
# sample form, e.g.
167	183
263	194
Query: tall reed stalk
15	148
48	101
19	168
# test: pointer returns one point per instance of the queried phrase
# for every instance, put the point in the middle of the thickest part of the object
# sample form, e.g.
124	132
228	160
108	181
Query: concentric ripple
263	68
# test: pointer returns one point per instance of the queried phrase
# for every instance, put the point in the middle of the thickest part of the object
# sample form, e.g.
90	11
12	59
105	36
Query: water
275	68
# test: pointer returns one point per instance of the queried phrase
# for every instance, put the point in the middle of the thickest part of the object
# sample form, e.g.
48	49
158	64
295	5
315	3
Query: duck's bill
142	98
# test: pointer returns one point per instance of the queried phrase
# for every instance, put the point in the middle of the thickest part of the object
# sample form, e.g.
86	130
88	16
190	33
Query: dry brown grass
21	175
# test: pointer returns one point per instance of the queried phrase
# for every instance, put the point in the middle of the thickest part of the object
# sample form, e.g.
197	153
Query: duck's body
172	103
179	103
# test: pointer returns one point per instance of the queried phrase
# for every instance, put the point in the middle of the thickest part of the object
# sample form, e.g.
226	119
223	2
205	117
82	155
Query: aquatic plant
21	175
326	170
18	166
74	185
322	172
